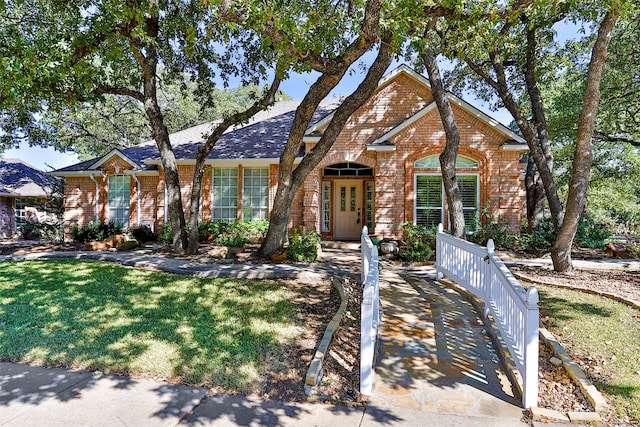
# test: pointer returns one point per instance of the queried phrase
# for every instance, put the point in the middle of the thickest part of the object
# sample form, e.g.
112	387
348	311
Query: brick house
22	189
383	169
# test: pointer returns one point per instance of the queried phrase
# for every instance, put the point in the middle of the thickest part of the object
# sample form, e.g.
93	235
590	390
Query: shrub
210	230
498	230
235	234
303	245
541	238
30	231
41	230
95	231
589	234
633	249
165	234
239	233
142	233
418	243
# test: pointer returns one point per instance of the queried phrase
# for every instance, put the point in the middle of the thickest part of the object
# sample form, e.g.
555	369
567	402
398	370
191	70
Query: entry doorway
348	215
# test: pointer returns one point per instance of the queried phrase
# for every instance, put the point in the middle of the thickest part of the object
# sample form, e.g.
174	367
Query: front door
348	215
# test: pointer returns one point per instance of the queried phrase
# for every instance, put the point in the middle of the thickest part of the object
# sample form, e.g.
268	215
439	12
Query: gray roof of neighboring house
263	137
19	179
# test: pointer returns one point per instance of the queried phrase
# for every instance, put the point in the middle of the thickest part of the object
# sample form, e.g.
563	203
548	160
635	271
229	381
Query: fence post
364	256
532	325
439	254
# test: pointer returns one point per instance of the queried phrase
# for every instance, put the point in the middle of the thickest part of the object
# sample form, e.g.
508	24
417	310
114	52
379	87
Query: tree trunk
543	154
543	158
583	155
204	150
451	146
535	195
149	65
290	179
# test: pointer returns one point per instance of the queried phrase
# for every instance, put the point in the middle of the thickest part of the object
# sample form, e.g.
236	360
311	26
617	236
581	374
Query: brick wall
499	172
394	102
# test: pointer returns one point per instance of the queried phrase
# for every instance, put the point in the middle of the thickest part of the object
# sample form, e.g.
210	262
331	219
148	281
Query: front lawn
100	316
601	335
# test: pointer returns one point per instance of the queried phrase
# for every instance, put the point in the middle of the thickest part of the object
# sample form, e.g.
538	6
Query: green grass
603	331
105	317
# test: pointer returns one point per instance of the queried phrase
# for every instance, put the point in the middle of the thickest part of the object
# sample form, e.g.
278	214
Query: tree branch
102	90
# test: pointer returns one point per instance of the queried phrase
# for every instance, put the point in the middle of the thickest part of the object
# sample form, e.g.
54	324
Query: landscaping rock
555	361
218	252
279	257
590	418
617	251
128	245
548	415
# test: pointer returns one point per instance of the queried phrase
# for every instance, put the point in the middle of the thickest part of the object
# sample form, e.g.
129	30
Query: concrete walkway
435	357
436	366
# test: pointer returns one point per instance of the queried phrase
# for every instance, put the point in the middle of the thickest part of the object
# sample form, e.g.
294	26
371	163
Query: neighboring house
21	188
383	169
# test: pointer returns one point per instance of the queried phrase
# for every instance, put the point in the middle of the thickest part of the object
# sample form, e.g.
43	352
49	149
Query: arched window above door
434	162
347	169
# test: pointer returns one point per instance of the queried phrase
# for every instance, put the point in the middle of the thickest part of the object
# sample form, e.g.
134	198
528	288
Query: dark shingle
18	178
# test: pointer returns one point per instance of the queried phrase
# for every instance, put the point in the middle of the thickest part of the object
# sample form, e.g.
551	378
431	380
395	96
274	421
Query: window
428	200
468	185
119	199
326	205
368	207
434	162
20	209
225	194
347	169
255	193
430	196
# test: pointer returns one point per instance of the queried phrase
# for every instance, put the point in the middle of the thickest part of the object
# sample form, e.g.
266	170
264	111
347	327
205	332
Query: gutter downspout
138	196
97	195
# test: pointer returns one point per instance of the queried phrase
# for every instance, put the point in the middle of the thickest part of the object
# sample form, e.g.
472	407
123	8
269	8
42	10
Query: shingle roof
18	178
263	137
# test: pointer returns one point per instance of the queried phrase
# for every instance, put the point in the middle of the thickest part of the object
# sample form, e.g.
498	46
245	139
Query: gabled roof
19	179
111	154
265	135
516	141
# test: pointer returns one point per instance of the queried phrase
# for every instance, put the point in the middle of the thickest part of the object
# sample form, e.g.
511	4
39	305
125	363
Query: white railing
514	309
369	311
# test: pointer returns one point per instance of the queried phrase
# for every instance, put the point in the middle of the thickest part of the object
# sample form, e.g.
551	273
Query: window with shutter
428	200
468	185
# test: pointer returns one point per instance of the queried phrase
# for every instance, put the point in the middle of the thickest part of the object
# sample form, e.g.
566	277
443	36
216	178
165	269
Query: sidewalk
435	367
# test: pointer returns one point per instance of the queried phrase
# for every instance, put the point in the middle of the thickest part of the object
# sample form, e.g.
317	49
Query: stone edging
574	371
315	371
631	303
